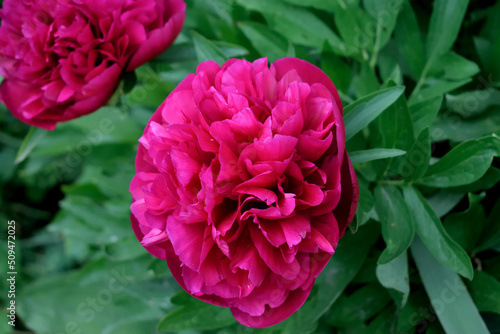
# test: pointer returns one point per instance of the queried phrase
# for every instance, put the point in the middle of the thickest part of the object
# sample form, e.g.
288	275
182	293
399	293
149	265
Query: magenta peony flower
62	59
244	185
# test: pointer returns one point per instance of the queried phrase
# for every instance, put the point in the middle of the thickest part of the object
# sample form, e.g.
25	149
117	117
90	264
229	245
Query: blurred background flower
64	59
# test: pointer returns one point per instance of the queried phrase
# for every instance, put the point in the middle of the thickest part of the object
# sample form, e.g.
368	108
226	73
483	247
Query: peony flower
62	59
244	185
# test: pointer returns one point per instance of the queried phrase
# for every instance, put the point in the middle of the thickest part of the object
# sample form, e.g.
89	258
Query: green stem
395	182
421	80
376	47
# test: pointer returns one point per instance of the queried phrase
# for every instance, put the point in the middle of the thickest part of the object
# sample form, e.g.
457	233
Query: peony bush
62	59
244	185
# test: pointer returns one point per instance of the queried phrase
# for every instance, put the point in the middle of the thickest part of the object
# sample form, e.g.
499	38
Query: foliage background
419	81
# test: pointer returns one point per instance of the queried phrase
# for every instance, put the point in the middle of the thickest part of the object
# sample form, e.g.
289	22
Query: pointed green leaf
385	12
206	49
451	66
449	296
393	275
491	234
195	314
351	20
32	139
374	154
409	40
487	181
425	112
394	129
466	227
397	226
444	201
446	20
417	159
365	82
430	229
337	69
464	164
474	102
435	88
454	127
485	291
358	307
365	204
265	40
360	113
298	24
319	4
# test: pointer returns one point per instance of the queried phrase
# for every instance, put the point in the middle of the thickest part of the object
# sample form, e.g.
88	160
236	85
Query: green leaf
365	204
389	69
151	90
464	164
430	229
363	304
410	316
466	227
444	201
394	129
177	53
265	40
397	226
336	68
353	226
436	88
358	157
454	127
473	103
231	50
365	82
81	137
206	49
385	12
446	20
384	321
104	295
351	22
360	113
485	291
298	24
417	159
449	296
393	275
451	66
125	249
195	314
424	113
33	138
409	41
487	181
491	235
488	50
342	268
319	4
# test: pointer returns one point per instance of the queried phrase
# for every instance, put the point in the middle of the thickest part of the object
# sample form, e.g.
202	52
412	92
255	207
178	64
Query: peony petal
307	72
295	229
274	315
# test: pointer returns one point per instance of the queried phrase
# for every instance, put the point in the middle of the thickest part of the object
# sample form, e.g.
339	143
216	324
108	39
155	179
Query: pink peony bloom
62	59
244	185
